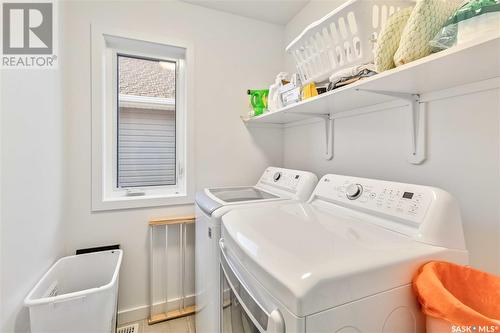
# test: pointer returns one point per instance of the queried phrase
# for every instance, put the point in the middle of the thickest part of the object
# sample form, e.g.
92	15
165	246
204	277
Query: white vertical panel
146	147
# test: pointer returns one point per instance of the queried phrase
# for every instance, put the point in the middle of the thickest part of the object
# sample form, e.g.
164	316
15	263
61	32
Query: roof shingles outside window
142	77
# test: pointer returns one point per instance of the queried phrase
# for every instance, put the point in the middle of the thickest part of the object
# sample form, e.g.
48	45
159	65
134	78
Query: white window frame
106	45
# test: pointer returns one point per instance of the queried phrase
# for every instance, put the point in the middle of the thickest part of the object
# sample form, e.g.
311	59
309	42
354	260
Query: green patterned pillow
388	39
427	18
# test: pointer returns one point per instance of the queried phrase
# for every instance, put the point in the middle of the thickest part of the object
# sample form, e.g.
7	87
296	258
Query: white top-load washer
275	185
342	262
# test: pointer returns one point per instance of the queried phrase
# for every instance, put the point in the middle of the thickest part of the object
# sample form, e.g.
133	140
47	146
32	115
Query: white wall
31	191
232	54
463	152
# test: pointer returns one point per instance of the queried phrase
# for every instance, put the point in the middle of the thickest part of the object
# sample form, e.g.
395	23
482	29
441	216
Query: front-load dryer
275	185
342	262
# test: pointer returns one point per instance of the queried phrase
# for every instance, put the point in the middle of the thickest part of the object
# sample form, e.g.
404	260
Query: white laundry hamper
344	38
78	294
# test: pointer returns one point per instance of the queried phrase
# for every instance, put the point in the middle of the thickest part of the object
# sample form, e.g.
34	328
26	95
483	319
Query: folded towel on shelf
389	38
350	75
425	21
351	71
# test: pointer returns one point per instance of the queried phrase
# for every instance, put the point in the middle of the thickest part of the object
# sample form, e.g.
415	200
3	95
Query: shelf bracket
329	137
418	112
328	118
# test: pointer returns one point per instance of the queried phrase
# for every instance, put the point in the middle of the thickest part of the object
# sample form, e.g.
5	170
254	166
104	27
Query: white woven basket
343	38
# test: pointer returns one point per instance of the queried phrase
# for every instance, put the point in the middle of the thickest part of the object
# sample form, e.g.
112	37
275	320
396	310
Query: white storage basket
77	294
343	38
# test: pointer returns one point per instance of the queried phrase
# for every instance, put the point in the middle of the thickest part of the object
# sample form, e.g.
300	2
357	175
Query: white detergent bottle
274	101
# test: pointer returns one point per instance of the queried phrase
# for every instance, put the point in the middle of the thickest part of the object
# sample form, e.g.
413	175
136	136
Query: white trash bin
78	294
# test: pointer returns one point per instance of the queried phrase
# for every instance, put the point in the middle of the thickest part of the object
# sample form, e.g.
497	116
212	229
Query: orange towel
457	294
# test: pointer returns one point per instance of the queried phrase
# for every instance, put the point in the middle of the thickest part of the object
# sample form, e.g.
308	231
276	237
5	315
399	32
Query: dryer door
242	310
234	317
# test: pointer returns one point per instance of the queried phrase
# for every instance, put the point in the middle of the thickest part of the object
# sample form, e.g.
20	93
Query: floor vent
133	328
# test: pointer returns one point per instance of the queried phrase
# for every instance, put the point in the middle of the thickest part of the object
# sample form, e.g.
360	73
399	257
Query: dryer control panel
428	214
404	201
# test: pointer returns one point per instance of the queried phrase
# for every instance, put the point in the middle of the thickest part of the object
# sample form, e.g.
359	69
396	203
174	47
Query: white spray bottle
274	100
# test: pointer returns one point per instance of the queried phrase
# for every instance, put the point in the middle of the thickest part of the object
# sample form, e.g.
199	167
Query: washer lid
312	258
211	199
238	194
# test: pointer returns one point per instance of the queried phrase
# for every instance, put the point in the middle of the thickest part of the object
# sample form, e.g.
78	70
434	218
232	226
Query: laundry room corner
32	169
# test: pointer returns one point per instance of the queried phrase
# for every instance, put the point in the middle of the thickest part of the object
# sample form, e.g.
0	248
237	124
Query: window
146	122
140	127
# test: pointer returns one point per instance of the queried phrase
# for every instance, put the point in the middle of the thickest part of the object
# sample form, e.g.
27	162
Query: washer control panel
282	178
404	201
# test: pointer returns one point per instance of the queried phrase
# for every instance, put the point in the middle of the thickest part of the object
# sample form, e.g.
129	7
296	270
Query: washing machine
342	262
275	185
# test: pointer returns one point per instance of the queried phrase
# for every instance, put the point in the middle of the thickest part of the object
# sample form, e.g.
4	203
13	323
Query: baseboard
142	312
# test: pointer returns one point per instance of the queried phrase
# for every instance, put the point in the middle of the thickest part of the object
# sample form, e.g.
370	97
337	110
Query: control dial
353	191
277	176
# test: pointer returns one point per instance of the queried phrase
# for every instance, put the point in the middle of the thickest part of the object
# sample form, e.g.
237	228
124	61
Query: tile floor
179	325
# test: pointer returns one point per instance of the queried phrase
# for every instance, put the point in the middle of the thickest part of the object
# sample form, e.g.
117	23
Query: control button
353	191
373	195
277	176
